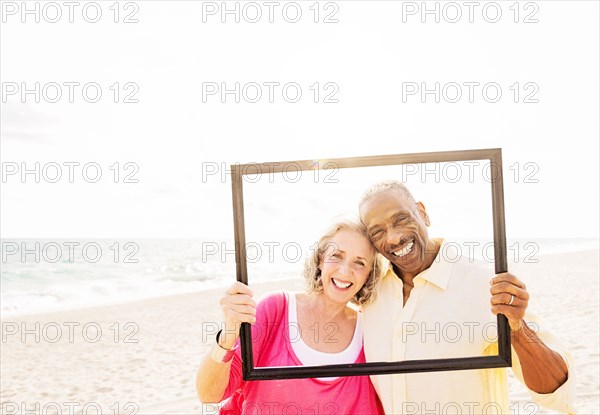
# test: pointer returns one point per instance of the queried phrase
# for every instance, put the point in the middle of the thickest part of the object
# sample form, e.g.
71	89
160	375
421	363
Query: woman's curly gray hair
312	272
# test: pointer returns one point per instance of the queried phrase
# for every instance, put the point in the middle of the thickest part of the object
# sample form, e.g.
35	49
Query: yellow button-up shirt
447	315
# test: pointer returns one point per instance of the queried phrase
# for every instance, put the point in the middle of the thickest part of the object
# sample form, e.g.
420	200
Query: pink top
271	346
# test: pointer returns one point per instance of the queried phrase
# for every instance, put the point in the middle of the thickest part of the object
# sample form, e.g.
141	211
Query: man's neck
431	252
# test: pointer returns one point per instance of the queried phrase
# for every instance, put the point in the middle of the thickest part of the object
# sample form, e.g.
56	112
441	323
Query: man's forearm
544	370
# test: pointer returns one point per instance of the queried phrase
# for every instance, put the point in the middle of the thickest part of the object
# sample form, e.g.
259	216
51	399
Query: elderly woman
311	328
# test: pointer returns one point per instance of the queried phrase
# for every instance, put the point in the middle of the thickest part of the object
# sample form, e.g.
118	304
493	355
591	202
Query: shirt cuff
562	399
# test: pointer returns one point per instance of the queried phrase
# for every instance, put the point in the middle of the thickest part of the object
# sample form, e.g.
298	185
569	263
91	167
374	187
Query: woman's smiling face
346	264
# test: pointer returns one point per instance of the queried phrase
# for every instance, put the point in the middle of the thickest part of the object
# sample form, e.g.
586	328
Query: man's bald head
383	187
397	227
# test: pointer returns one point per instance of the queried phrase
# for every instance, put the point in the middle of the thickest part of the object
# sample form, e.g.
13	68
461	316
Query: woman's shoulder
271	297
272	302
281	297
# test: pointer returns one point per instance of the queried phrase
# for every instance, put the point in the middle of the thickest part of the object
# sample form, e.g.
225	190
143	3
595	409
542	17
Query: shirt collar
439	271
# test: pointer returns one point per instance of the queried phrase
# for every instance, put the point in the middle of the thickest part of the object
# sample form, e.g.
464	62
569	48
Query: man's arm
544	370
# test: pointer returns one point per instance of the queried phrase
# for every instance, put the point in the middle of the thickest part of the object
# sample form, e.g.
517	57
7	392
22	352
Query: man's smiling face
397	227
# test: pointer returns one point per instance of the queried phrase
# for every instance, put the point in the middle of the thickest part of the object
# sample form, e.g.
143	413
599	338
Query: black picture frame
503	359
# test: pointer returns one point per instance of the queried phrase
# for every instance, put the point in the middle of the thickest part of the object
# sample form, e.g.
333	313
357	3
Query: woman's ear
423	213
319	266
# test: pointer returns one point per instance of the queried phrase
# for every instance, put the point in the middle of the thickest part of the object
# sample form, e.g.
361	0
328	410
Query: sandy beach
142	357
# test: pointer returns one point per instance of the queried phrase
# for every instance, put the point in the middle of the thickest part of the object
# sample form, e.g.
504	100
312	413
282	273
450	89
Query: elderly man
433	303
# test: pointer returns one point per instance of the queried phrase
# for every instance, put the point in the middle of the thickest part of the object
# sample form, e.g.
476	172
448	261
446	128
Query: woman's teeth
407	248
341	284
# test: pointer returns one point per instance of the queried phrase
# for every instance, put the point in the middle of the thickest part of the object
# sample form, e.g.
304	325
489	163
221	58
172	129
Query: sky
148	157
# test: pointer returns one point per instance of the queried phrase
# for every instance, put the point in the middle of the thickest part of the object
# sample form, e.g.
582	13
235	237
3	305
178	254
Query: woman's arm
212	379
213	376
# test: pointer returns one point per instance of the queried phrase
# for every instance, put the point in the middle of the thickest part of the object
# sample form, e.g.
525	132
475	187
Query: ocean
39	276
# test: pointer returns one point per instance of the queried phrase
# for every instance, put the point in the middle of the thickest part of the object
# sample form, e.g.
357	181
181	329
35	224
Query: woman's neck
326	310
325	325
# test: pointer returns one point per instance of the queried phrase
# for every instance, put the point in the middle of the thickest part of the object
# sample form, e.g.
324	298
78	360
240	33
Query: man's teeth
407	248
341	284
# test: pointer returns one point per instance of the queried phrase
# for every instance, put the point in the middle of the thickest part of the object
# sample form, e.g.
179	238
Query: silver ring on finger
512	298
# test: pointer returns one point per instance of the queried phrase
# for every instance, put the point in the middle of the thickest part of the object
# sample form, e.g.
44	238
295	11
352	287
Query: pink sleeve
269	312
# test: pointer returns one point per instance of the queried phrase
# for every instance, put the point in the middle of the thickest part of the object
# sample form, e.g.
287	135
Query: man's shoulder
474	267
463	268
462	259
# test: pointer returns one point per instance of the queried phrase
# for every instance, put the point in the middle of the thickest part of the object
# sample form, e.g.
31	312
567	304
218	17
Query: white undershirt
311	357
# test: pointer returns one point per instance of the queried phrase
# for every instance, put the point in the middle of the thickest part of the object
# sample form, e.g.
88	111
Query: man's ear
423	213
